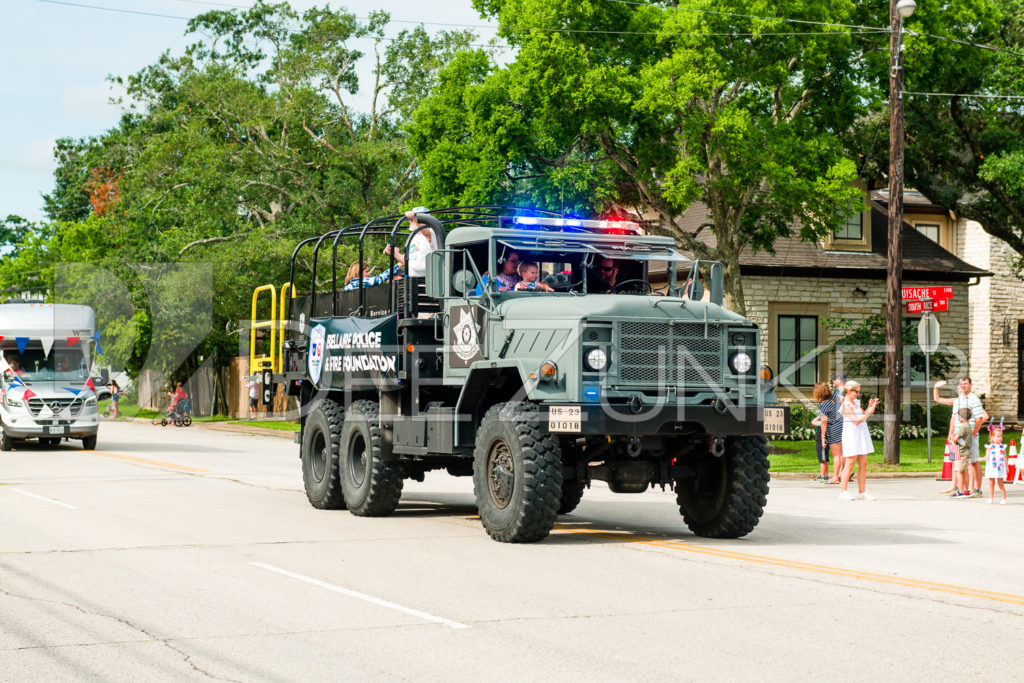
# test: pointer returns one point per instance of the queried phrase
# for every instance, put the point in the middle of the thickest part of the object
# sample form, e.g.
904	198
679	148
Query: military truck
641	381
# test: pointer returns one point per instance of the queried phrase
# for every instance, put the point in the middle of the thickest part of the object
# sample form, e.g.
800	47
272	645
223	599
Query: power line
748	16
965	42
962	94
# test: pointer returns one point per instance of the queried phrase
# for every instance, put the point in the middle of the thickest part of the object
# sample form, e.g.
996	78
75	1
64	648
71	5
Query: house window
798	334
930	230
853	223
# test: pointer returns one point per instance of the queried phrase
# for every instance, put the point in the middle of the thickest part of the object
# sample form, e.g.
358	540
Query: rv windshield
62	365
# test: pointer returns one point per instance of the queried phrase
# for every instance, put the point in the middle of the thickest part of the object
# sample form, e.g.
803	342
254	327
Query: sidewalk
226	427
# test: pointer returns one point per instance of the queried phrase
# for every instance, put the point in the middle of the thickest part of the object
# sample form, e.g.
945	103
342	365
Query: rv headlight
15	402
91	401
741	362
596	359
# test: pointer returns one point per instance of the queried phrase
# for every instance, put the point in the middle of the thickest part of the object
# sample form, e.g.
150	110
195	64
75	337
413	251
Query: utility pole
898	10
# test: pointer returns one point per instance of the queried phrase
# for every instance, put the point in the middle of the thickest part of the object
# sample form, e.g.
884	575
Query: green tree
655	107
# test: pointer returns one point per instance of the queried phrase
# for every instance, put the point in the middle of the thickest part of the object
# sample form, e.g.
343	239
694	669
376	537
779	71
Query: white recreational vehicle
46	360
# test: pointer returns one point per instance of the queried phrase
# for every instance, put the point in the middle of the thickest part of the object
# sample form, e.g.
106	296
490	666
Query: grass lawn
913	457
270	424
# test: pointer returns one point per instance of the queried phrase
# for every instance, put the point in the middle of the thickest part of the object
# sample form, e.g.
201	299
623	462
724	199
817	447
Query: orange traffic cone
947	465
1011	462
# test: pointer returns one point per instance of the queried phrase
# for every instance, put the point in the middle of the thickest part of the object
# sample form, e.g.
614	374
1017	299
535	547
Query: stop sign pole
928	340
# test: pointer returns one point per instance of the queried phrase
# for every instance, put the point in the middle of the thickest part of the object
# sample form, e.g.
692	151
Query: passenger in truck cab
529	272
507	279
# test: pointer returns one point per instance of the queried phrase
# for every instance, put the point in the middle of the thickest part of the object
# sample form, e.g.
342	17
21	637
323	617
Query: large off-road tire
372	486
517	474
572	493
727	497
89	443
321	444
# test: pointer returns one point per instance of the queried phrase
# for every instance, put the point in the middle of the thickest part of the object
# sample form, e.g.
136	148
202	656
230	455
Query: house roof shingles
922	258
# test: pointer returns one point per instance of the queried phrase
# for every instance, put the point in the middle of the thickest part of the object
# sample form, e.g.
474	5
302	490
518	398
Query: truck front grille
679	354
57	405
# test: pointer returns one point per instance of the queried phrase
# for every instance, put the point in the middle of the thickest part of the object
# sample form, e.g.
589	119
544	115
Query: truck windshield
62	365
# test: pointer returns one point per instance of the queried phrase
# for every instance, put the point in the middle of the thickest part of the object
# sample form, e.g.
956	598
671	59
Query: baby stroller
180	415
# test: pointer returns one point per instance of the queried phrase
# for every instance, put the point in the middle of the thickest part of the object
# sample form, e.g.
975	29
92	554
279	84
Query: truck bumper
26	428
620	420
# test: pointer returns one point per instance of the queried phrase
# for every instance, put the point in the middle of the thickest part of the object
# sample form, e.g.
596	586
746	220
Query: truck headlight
13	401
596	359
91	401
741	362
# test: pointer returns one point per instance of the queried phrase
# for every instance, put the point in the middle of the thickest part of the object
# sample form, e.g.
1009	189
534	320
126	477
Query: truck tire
6	442
517	474
727	497
89	443
372	486
321	441
572	493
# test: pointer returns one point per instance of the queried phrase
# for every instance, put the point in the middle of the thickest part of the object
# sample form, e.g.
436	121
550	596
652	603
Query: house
794	291
996	303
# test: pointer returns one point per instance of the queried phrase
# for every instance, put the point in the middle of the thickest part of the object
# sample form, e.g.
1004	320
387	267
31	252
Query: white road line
362	596
48	500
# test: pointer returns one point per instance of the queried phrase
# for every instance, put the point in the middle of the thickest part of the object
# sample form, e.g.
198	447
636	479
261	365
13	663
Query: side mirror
105	376
717	283
436	283
464	281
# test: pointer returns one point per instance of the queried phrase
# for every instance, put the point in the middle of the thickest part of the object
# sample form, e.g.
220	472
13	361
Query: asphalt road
190	554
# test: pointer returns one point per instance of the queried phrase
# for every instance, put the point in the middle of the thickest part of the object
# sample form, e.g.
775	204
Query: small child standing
995	462
962	441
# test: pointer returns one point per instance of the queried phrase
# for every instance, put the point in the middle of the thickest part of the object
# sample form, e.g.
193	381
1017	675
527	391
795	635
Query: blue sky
57	57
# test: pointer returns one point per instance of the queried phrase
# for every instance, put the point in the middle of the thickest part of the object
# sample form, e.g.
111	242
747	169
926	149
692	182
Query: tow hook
718	446
633	446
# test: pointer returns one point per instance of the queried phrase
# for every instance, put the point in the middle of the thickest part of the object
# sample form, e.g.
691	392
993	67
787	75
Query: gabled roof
922	258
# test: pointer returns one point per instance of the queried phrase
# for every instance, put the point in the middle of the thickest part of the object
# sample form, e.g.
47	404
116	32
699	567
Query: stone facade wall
996	303
854	300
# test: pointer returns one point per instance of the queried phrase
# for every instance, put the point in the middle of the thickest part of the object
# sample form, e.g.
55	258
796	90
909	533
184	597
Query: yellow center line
808	566
145	461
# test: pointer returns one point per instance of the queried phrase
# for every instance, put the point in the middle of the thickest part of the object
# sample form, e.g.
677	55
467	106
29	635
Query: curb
809	477
227	427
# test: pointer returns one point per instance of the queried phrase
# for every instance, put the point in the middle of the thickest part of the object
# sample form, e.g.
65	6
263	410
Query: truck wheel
321	438
726	498
372	486
6	442
572	493
517	474
89	443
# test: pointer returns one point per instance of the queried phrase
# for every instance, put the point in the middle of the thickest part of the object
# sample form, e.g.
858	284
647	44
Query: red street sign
923	306
927	293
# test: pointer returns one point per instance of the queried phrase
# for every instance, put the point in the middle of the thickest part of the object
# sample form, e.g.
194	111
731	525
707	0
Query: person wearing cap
838	380
421	244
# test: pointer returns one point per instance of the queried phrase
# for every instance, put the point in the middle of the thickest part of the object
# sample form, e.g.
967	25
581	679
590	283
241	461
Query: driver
603	275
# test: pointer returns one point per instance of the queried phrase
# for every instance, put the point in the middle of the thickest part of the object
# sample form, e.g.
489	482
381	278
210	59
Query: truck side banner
354	353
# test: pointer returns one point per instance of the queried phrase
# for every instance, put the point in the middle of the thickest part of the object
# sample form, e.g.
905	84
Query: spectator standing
962	444
995	462
115	396
254	395
831	437
856	441
966	399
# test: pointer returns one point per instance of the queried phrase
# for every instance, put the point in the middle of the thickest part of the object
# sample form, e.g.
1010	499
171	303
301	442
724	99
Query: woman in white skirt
856	441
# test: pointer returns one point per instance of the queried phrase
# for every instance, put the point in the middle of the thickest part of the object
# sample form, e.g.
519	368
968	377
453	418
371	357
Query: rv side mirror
105	376
435	280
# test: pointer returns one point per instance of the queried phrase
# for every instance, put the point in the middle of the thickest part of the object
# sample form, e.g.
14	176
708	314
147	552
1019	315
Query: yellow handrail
264	361
283	321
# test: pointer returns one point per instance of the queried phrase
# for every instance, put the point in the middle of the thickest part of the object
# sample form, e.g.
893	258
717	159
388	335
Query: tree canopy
652	108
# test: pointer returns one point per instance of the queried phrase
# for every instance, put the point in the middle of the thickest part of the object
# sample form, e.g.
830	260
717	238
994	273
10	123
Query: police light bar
618	227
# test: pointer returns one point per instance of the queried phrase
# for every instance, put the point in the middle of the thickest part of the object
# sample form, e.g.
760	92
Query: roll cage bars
387	226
